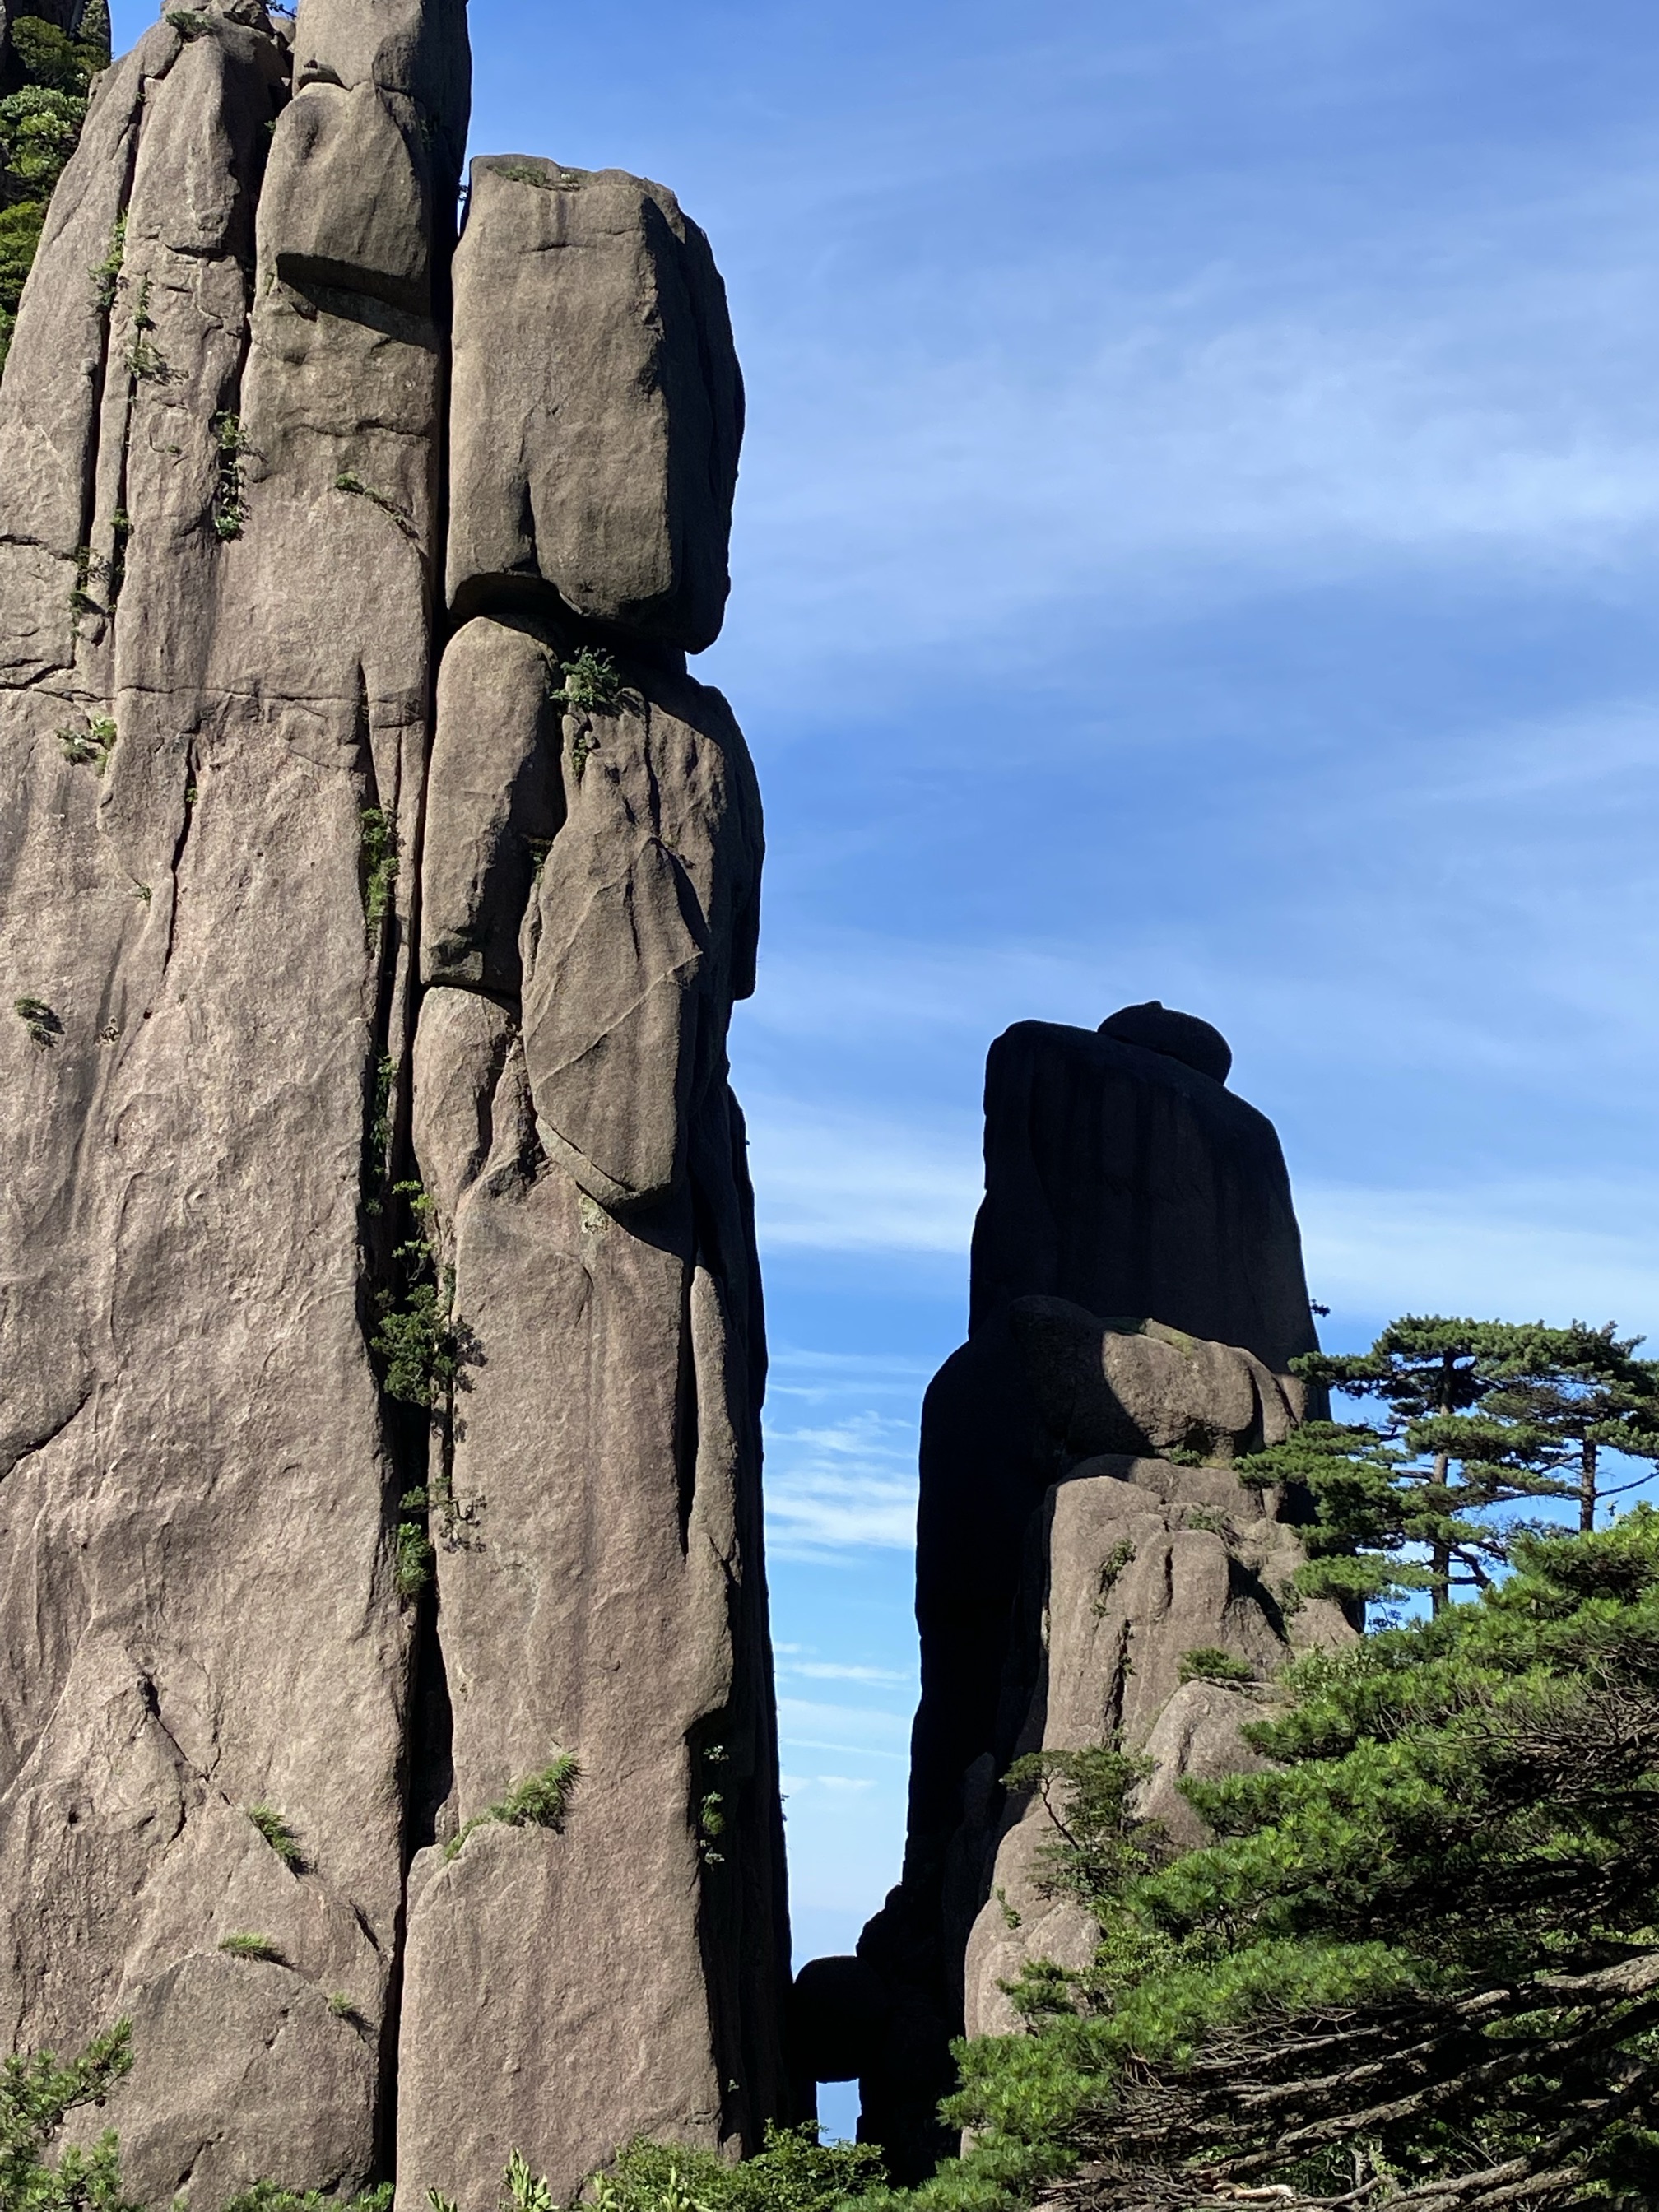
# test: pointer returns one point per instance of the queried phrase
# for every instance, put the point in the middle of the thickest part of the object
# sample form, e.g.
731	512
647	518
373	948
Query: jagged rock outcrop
1137	1296
220	433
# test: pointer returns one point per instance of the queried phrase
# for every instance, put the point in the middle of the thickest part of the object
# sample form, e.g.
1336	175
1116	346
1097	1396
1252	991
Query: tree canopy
1475	1416
1418	1964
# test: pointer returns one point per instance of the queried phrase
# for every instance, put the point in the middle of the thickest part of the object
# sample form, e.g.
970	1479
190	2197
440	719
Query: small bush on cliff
541	1801
794	2172
37	2095
1420	1961
269	2197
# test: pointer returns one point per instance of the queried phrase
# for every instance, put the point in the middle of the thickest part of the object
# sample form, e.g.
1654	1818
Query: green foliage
1422	1948
40	124
377	839
1098	1842
229	513
1207	1663
593	685
268	2197
1477	1416
91	747
106	274
1121	1555
413	1555
278	1834
541	1801
349	481
143	359
425	1350
187	23
39	127
794	2172
51	57
342	2007
37	1017
37	2094
245	1945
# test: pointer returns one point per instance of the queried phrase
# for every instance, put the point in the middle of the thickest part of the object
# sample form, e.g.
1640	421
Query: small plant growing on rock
271	2197
592	682
343	2006
228	512
245	1945
1207	1663
38	1019
349	481
1121	1555
91	747
413	1567
378	845
278	1834
106	274
144	358
187	23
541	1801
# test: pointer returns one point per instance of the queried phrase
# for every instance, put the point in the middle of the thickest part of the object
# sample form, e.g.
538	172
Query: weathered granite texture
1131	1563
221	431
599	407
603	1592
1137	1291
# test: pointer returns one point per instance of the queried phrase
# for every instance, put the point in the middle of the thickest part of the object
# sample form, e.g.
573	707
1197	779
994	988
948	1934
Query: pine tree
1476	1416
1418	1964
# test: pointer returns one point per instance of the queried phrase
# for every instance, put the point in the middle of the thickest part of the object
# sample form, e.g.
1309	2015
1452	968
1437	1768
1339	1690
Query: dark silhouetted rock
1137	1291
839	2010
1158	1028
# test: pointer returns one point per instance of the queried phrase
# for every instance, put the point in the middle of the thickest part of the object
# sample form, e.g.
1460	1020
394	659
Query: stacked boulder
1137	1298
378	1302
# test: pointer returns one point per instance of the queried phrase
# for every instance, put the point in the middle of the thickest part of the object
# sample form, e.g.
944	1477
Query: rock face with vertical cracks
214	660
221	427
596	873
1137	1296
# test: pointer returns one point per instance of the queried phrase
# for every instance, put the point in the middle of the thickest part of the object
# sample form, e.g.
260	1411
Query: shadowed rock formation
236	1035
1137	1292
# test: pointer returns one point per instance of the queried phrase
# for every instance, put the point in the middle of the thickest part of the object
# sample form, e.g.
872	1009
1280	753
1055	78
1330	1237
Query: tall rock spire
333	1511
1137	1296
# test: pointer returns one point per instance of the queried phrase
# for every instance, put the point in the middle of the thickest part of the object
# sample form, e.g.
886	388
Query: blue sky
1198	538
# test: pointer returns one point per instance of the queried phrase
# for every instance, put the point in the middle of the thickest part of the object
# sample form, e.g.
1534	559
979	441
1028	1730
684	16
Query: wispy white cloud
1559	1249
847	1487
806	1725
827	1670
850	1182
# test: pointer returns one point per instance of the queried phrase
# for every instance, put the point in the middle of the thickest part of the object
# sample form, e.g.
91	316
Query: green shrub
37	2095
794	2172
51	57
542	1800
268	2197
377	839
37	1017
278	1834
91	747
228	510
245	1945
1209	1663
